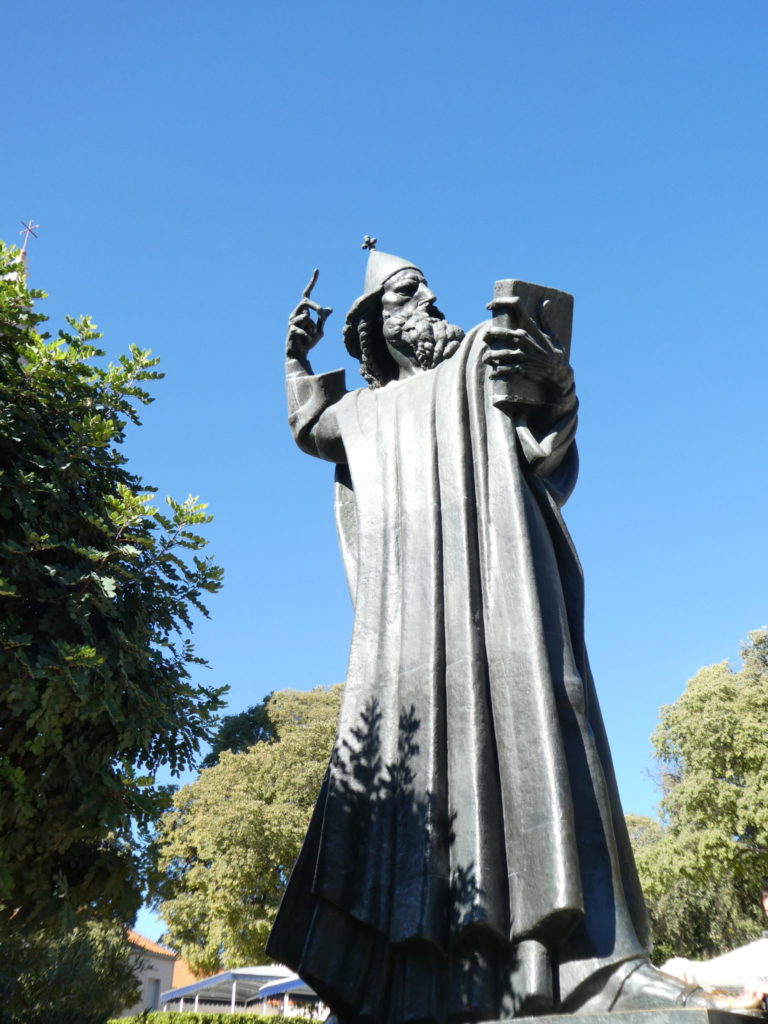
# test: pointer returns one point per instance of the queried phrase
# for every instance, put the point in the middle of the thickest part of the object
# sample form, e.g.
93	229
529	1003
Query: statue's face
405	293
415	331
406	300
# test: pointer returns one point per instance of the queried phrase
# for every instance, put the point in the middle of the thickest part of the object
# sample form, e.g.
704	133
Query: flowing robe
470	804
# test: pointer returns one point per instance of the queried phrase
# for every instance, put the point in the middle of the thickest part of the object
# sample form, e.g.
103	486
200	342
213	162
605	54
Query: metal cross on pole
369	243
29	229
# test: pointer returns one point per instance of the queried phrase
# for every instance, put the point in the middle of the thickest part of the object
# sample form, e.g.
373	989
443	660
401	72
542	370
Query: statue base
665	1015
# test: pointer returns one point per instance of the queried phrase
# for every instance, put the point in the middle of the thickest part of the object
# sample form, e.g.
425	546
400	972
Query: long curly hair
427	334
364	339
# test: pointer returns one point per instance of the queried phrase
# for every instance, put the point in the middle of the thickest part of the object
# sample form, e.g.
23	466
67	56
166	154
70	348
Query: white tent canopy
237	987
745	967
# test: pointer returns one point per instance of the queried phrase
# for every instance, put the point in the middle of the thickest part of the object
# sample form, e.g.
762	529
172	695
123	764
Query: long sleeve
547	439
311	414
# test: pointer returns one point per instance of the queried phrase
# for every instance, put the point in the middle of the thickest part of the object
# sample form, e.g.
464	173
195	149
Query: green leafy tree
230	841
702	872
240	731
79	977
644	832
97	588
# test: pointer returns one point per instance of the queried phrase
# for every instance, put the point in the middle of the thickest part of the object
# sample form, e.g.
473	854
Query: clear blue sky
190	164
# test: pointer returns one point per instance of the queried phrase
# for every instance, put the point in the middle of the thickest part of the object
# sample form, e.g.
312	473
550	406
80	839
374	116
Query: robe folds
470	804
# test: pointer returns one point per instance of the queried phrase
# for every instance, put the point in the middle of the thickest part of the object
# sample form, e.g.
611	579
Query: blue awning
293	984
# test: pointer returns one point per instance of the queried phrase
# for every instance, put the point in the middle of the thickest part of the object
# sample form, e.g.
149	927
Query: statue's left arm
545	428
546	435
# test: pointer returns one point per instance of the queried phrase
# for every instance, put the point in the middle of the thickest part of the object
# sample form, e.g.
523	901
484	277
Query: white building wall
155	974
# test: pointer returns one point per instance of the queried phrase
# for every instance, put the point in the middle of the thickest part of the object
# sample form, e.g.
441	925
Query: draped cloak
470	804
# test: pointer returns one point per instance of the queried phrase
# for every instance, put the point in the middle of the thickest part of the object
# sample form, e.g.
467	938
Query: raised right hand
304	332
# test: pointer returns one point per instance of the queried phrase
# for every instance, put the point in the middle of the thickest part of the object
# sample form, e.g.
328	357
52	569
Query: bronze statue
467	858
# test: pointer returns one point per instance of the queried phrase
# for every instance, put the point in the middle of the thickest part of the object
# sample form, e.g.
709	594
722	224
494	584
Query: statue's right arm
311	410
312	397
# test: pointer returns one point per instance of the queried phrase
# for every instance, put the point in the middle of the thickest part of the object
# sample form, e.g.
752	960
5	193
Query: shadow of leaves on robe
431	955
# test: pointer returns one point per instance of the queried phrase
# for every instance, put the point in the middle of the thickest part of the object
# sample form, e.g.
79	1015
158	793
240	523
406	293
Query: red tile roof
151	947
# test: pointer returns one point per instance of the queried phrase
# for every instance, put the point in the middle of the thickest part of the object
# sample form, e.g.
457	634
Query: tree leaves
226	848
240	731
77	978
96	601
702	873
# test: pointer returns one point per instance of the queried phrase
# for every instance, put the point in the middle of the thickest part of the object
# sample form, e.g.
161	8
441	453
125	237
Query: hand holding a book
518	346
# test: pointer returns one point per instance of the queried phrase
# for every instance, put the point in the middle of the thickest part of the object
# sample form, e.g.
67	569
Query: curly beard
424	334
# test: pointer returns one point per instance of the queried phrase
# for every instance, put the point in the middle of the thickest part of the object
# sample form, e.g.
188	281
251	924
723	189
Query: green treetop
240	731
702	873
228	845
97	587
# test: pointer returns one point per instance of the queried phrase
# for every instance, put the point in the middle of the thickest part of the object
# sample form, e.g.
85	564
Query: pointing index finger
308	290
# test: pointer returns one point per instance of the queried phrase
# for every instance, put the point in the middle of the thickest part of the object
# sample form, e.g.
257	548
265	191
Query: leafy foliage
229	843
80	977
97	588
643	831
240	731
702	873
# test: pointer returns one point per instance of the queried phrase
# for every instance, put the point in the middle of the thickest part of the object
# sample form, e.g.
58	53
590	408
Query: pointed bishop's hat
381	266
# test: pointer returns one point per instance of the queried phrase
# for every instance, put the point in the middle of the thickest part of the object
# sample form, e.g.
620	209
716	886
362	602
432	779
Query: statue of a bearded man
467	858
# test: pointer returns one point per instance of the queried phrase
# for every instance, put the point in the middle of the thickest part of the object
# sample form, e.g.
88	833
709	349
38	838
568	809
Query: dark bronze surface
467	858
